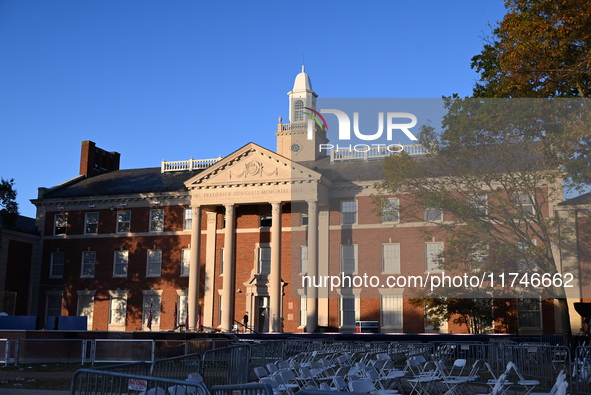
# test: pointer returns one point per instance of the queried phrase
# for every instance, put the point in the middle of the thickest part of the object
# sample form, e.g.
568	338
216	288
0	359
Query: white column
193	305
228	283
210	270
312	292
275	273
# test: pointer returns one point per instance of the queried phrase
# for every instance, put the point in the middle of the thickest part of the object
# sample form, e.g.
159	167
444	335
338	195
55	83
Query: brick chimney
94	160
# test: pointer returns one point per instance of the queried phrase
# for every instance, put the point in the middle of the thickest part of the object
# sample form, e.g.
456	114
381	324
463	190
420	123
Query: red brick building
203	242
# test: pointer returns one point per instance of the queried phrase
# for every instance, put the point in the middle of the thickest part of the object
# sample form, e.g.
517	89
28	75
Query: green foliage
8	204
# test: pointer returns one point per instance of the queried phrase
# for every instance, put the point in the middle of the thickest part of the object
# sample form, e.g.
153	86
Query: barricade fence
538	362
177	368
244	389
227	365
100	382
581	371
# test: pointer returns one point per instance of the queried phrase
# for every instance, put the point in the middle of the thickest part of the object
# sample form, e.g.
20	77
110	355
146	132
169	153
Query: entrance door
262	314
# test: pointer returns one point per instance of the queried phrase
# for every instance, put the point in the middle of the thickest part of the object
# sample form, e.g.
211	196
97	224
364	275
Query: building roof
302	82
21	224
355	170
581	199
146	180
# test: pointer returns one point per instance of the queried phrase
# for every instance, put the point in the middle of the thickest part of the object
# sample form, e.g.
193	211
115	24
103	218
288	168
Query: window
432	255
526	202
123	221
349	309
53	306
303	310
303	259
529	313
151	310
60	224
120	263
349	258
86	306
298	115
56	266
88	262
390	211
156	220
524	256
185	262
154	263
348	212
391	258
433	214
220	301
188	222
265	216
91	223
118	308
183	301
391	311
479	203
304	219
264	262
221	261
478	255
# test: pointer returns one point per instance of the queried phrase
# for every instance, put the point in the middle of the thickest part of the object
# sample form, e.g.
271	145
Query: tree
542	49
8	204
493	179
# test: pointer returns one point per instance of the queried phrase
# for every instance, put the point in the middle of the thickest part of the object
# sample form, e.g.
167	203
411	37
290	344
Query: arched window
298	111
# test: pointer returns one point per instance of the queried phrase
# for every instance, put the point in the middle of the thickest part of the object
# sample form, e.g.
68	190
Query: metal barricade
244	389
123	350
538	362
169	348
471	352
581	372
227	365
177	368
100	382
49	350
137	368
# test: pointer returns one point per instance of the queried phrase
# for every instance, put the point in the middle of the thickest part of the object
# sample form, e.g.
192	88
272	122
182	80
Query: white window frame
118	305
303	308
391	258
88	265
88	221
349	210
525	201
157	220
49	295
391	312
124	223
188	219
530	311
349	294
391	211
58	218
431	257
151	298
479	202
262	250
346	249
429	214
122	263
153	258
83	309
182	307
185	262
53	265
303	267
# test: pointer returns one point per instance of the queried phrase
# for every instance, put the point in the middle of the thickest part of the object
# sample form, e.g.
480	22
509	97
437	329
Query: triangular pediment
252	164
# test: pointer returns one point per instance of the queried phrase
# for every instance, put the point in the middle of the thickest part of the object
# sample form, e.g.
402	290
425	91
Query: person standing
245	321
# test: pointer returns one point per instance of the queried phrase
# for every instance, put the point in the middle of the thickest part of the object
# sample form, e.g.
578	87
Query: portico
252	176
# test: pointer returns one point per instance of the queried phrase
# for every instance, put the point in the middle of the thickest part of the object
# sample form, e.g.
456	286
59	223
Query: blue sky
177	79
